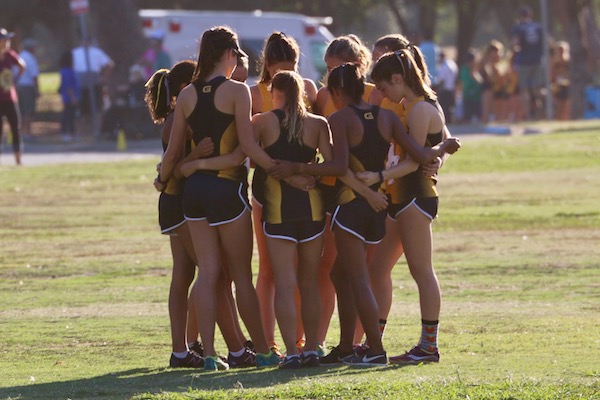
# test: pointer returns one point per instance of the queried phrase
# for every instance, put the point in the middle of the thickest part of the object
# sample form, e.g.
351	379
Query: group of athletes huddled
343	184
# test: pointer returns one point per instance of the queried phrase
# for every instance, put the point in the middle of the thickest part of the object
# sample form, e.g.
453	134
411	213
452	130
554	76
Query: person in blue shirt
70	95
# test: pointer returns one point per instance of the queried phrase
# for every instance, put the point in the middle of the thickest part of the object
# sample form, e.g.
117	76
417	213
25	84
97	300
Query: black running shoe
248	359
378	360
309	360
291	362
197	348
335	356
250	346
192	360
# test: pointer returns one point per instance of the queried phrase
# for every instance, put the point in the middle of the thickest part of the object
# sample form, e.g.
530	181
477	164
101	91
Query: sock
180	354
429	334
382	323
238	353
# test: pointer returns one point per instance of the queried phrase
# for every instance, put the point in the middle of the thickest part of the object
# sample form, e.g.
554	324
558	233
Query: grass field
84	277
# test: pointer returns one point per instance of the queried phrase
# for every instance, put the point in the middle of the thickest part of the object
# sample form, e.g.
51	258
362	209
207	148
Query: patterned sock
382	323
429	334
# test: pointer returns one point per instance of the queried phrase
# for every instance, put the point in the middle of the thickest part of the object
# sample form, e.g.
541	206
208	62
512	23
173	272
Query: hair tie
163	78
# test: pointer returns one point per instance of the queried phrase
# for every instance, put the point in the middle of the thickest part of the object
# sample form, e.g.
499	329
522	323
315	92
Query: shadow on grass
124	384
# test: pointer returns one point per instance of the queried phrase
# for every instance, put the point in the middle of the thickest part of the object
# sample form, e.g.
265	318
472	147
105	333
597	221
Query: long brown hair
402	62
278	48
214	43
347	79
291	84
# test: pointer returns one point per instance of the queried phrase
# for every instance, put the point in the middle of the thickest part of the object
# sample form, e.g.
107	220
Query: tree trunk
580	74
468	12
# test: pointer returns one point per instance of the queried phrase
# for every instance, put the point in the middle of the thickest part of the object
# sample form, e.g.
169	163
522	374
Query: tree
469	16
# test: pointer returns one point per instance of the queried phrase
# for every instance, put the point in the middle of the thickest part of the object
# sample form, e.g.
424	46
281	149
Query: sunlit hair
347	79
292	86
214	43
397	42
494	46
278	48
350	49
403	63
164	86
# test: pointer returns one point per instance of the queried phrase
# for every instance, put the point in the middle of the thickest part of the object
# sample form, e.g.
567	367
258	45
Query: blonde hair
291	85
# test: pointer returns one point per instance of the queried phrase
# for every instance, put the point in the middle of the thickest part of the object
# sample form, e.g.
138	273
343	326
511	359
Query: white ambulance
182	31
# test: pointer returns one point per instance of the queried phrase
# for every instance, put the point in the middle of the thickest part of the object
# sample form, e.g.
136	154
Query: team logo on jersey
207	89
369	115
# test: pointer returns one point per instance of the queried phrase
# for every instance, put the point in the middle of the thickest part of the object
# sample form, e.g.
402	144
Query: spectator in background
487	65
9	106
527	41
559	76
447	74
70	95
27	85
470	82
514	108
431	52
91	80
155	57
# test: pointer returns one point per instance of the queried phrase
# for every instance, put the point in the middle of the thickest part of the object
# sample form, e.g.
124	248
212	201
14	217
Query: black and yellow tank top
416	184
206	121
369	155
282	202
267	100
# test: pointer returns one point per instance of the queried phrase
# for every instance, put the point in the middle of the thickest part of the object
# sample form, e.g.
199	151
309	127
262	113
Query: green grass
84	277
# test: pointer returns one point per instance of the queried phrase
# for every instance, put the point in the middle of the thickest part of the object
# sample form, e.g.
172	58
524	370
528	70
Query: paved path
50	150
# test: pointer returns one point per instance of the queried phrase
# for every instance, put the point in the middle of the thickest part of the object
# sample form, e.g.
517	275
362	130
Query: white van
183	30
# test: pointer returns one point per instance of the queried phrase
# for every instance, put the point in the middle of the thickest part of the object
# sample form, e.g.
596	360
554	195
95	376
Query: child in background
70	95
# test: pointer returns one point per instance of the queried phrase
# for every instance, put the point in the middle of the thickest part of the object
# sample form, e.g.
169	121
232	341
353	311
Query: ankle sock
429	334
180	354
238	353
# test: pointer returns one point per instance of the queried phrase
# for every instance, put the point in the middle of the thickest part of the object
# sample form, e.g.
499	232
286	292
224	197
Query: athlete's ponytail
292	86
163	88
214	43
348	80
402	63
278	48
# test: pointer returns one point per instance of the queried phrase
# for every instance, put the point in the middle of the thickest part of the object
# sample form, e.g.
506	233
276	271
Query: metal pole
88	75
547	61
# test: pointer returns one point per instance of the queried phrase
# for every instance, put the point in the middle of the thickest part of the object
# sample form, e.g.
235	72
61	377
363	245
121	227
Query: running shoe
335	356
309	360
291	362
190	361
378	360
250	346
321	350
361	349
197	348
267	360
248	359
300	345
416	355
215	364
275	349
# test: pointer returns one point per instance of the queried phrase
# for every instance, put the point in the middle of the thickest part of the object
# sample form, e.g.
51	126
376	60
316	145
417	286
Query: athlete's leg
345	305
265	282
184	268
236	239
309	255
206	248
415	229
326	288
283	253
354	264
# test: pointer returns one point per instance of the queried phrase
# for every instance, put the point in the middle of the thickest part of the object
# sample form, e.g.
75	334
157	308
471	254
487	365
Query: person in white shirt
447	73
92	70
27	85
